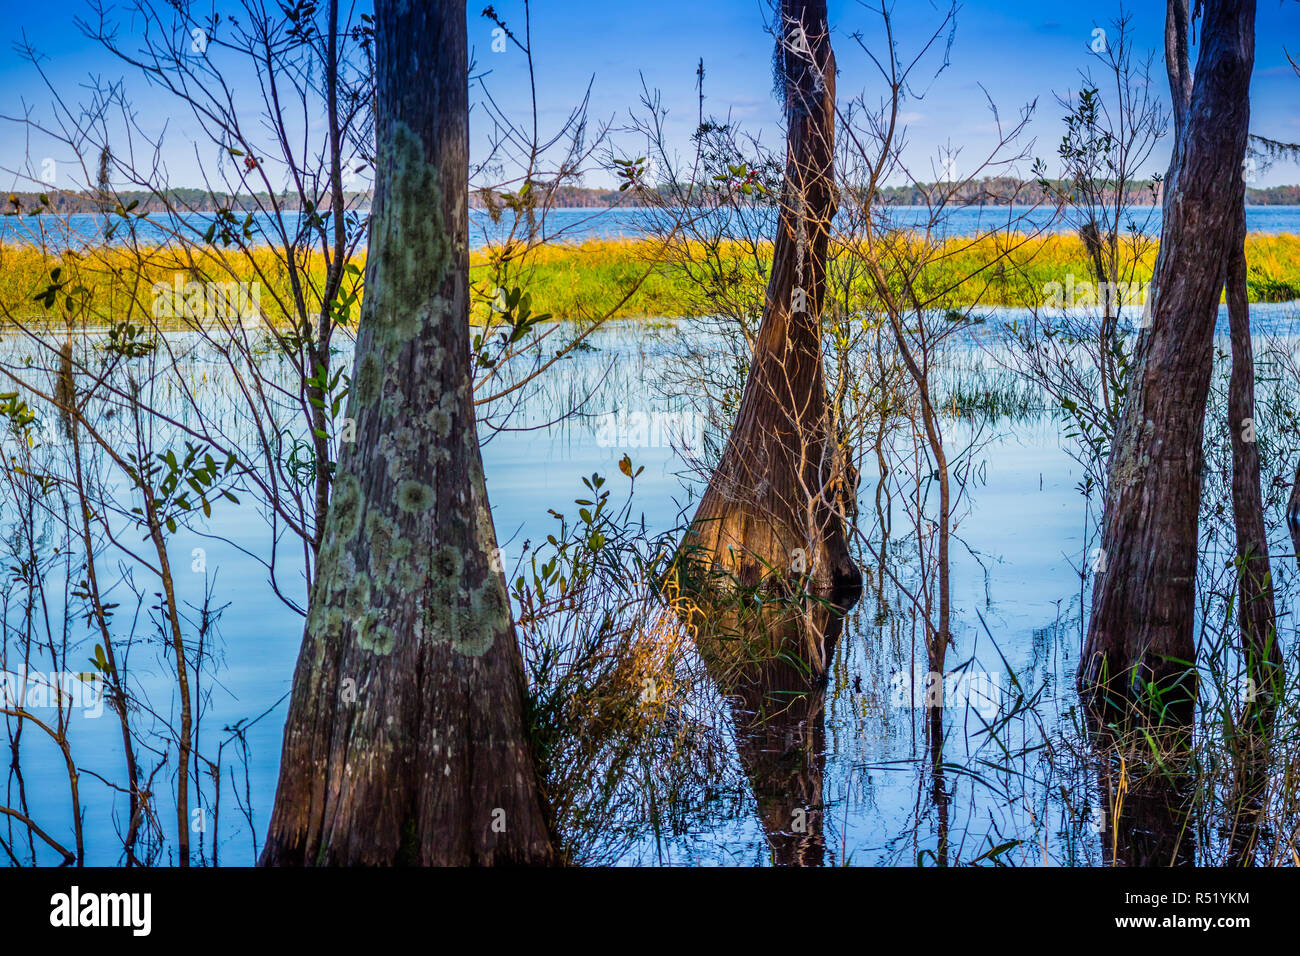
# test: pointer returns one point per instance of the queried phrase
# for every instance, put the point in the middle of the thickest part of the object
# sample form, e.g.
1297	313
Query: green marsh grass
579	281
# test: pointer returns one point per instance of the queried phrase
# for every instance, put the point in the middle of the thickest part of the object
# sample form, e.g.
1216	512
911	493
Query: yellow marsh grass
586	280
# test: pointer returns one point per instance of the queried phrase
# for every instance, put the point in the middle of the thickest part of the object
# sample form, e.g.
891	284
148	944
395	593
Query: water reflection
1148	801
780	725
764	660
907	785
1245	829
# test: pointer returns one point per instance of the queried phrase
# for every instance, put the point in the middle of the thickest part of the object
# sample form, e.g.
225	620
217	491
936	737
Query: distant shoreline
565	226
1000	192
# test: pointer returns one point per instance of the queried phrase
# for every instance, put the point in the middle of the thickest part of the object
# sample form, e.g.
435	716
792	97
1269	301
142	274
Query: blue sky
1017	51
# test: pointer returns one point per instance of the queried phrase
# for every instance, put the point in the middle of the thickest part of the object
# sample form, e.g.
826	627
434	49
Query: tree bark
1293	507
770	507
405	741
1178	66
1255	607
1141	630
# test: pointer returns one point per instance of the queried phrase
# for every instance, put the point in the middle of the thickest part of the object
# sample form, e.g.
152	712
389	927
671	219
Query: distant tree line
198	200
993	191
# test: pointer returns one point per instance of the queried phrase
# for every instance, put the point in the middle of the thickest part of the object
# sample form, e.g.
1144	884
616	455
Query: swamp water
1013	785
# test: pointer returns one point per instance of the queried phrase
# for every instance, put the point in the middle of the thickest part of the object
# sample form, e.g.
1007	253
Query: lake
579	224
1015	773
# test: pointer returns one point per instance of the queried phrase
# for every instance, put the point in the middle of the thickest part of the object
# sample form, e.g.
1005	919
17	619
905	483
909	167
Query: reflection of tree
781	739
1245	812
759	659
1293	517
1243	825
1148	801
940	798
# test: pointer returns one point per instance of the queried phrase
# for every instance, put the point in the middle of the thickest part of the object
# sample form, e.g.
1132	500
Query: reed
582	280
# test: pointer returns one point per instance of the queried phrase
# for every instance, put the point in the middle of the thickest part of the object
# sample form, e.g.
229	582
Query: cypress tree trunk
405	740
1141	629
1293	516
1255	608
1293	503
772	505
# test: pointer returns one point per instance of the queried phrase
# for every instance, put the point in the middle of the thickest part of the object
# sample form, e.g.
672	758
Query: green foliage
179	485
512	318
